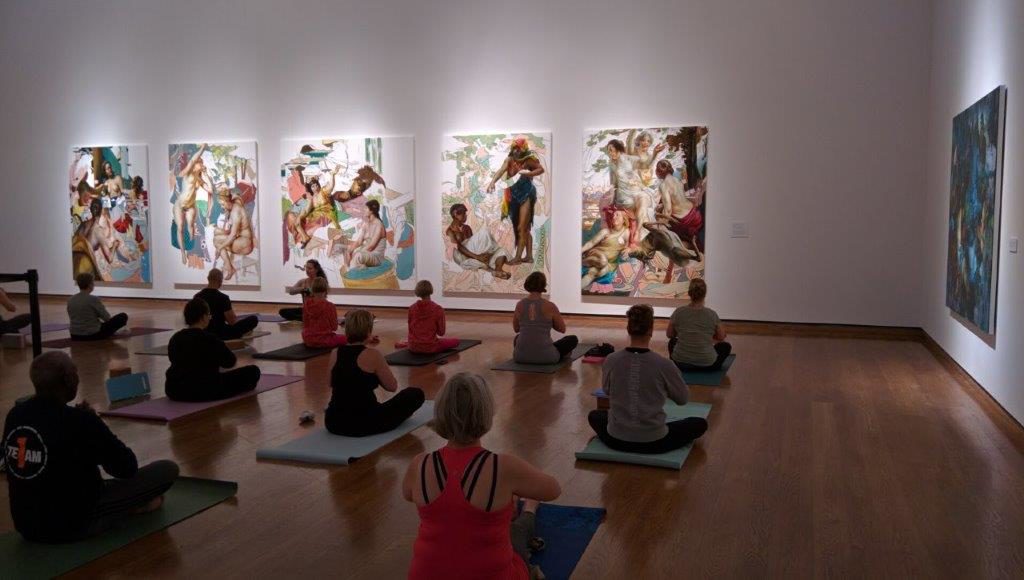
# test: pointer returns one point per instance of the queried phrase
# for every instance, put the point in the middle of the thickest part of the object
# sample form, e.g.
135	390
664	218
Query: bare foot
514	262
502	274
153	505
530	506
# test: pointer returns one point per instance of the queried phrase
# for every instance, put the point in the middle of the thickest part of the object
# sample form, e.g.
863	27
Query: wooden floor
826	457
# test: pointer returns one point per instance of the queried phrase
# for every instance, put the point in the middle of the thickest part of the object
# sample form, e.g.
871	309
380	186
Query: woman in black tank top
354	410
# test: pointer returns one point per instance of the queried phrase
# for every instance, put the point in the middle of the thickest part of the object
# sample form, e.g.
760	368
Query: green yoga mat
709	378
186	498
598	451
512	365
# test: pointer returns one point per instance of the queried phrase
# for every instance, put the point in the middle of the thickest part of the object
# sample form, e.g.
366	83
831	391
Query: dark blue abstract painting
974	199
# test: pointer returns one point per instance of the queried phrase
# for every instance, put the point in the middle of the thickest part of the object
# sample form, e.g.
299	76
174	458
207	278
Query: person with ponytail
303	287
637	381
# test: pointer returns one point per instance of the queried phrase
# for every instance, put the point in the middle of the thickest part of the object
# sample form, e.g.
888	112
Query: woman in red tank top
465	495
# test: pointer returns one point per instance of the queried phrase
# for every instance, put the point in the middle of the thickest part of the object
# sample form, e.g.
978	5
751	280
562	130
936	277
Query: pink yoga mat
134	331
164	409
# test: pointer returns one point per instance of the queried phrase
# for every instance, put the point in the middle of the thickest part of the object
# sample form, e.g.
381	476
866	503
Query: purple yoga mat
262	317
164	409
46	327
135	331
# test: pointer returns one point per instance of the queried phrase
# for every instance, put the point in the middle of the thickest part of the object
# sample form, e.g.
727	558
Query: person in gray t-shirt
696	337
637	381
88	317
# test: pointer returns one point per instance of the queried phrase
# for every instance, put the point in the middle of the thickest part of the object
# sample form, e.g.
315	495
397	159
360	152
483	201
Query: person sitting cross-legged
224	323
54	454
637	381
88	317
196	359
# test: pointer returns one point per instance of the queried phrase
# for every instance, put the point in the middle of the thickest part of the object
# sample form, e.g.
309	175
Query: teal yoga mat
512	365
598	451
709	378
186	498
323	447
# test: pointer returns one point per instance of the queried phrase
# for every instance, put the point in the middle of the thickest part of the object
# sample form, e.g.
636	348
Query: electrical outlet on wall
1014	245
740	230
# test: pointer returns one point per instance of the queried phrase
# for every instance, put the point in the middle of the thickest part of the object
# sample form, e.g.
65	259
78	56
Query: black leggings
377	419
723	350
566	345
226	385
680	434
240	328
15	324
121	497
293	314
107	329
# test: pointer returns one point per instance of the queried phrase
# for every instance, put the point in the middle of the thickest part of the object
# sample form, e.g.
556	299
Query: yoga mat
264	317
293	352
598	451
164	409
407	358
127	387
46	327
323	447
186	498
511	365
709	378
133	331
161	350
567	531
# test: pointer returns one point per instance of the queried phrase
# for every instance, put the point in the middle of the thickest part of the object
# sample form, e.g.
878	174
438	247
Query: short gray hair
464	409
53	373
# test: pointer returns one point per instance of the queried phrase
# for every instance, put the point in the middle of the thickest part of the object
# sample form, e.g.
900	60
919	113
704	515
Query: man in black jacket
53	453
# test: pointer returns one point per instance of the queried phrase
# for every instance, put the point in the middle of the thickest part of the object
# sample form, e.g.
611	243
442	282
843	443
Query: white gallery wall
977	46
817	113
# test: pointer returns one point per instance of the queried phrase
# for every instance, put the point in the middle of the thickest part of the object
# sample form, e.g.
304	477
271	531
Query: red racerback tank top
457	539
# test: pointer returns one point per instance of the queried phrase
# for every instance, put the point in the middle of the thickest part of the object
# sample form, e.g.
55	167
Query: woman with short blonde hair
466	496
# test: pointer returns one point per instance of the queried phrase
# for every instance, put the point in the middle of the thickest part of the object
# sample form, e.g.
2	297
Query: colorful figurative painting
974	207
495	211
350	205
108	191
214	212
644	199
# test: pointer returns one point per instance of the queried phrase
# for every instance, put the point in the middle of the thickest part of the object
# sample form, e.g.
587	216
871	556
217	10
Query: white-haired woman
466	495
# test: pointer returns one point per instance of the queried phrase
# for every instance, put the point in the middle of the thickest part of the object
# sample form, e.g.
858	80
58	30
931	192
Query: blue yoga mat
323	447
567	531
709	378
598	451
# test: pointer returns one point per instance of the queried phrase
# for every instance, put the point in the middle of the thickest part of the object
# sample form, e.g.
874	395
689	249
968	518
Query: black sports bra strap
476	474
494	480
469	468
423	480
439	470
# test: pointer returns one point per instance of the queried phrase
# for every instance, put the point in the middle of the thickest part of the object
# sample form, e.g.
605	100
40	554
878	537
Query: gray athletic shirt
534	344
695	328
85	313
637	382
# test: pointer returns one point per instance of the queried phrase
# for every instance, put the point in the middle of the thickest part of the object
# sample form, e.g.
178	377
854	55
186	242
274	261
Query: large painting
350	205
109	200
214	212
974	200
644	198
495	211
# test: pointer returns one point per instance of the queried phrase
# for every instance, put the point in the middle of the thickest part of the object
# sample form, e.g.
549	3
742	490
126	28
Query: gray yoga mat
322	447
407	358
293	352
186	498
161	350
598	451
511	365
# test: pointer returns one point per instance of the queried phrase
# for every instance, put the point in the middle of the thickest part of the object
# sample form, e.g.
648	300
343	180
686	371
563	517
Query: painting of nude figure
495	211
349	204
109	198
214	212
644	200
